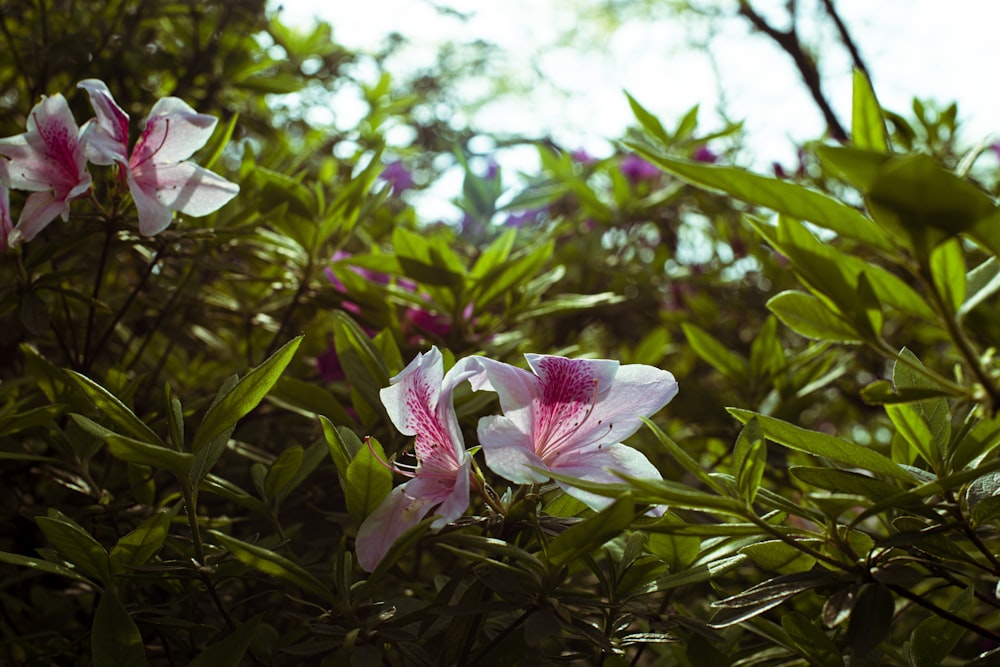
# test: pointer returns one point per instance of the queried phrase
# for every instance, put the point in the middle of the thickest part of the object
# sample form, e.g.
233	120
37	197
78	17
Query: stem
958	337
501	635
128	302
943	613
191	507
846	38
95	293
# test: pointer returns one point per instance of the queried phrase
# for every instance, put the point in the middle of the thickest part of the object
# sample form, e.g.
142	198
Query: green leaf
934	412
361	362
982	283
948	272
779	556
749	460
781	196
870	619
677	551
916	432
115	640
683	458
867	125
807	636
41	566
229	652
822	444
76	545
248	392
117	411
138	546
591	533
809	317
271	563
308	399
16	422
282	472
700	573
845	481
339	451
649	122
368	481
934	638
859	167
145	454
916	197
727	362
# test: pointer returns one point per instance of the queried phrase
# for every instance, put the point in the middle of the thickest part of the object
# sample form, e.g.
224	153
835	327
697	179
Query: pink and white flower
49	161
159	175
569	416
419	403
6	223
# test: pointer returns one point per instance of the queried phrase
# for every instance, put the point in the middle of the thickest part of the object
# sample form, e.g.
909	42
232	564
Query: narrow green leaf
867	125
145	454
724	360
948	273
591	533
248	392
115	640
983	282
807	316
781	196
138	546
271	563
360	360
822	444
807	636
76	545
871	619
282	472
683	458
700	573
778	556
649	122
338	448
229	652
934	638
117	411
41	566
749	460
368	481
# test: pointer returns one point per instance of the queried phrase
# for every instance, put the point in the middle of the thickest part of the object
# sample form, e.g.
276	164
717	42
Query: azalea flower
159	176
419	403
569	416
6	224
48	160
636	170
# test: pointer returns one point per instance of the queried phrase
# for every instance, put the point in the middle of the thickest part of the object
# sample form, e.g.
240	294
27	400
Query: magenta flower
48	160
159	175
637	170
569	416
419	403
397	176
704	154
6	223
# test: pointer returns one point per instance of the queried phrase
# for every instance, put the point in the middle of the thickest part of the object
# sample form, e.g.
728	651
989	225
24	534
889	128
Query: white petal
509	450
38	211
173	132
106	137
185	187
397	513
600	466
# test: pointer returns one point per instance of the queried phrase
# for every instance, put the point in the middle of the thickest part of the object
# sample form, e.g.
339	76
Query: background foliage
182	416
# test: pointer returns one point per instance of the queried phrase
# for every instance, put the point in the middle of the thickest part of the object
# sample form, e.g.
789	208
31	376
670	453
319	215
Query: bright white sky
925	48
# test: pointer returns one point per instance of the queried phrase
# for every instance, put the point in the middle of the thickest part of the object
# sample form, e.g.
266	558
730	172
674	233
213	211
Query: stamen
400	468
149	156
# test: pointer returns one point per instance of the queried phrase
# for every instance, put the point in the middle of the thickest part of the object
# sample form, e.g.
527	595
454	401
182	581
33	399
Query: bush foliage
193	429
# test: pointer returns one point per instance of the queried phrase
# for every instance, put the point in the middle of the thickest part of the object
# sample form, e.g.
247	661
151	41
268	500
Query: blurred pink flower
328	365
48	160
704	154
397	176
419	403
6	225
569	416
159	175
637	170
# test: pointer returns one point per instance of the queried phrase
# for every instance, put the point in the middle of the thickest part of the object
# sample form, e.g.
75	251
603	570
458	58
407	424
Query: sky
913	48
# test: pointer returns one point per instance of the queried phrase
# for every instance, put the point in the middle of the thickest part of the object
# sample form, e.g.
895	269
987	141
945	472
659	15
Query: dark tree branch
845	37
789	42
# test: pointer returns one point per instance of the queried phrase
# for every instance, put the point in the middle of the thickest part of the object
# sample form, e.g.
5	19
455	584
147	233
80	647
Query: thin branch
789	42
846	38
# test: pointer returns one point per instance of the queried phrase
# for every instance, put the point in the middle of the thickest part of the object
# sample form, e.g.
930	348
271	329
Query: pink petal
183	187
173	132
106	137
397	513
154	217
38	211
420	381
509	451
601	465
